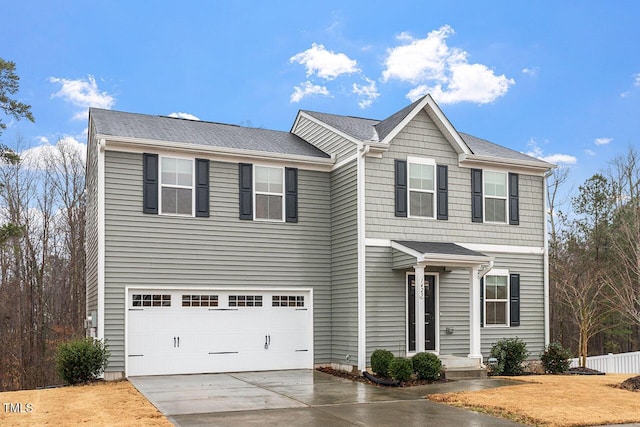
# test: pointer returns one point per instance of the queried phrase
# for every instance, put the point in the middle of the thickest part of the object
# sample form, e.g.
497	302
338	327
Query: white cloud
531	71
537	152
325	63
433	67
37	157
590	152
367	93
636	80
43	139
307	89
602	141
184	116
82	93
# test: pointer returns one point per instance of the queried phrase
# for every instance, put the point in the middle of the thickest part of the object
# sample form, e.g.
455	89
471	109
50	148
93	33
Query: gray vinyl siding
157	250
453	291
421	138
386	303
344	264
91	229
324	139
531	329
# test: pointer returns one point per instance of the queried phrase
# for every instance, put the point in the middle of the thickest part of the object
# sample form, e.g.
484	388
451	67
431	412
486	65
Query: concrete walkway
304	397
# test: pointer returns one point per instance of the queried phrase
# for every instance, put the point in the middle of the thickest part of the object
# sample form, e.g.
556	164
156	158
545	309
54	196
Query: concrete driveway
303	397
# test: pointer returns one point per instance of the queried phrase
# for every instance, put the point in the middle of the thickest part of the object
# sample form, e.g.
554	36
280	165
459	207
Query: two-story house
217	248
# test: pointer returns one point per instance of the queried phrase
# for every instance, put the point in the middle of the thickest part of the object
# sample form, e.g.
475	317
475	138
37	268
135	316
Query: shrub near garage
427	366
400	369
555	359
380	361
510	353
81	360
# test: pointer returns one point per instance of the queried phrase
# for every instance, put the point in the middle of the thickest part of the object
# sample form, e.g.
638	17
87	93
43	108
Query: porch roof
439	254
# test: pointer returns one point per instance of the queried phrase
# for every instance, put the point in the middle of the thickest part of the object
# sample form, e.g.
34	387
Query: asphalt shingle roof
160	128
356	127
482	147
444	248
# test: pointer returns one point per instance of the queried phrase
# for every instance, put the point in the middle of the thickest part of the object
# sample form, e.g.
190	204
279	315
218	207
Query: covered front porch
427	266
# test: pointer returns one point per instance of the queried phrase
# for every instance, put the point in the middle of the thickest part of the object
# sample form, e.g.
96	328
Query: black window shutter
245	178
514	208
443	192
291	194
514	299
476	195
482	302
401	188
150	183
202	188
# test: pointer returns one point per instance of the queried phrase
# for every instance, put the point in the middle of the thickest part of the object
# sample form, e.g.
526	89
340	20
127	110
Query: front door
429	312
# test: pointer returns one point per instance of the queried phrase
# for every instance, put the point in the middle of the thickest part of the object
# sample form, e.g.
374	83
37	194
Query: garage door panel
219	331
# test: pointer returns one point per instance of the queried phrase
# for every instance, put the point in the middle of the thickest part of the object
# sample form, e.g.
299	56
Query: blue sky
560	80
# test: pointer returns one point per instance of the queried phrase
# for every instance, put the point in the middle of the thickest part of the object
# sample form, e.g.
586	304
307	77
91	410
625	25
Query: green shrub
400	369
427	366
510	353
81	360
555	359
380	360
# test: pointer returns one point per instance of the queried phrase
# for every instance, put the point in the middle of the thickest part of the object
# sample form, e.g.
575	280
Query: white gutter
362	296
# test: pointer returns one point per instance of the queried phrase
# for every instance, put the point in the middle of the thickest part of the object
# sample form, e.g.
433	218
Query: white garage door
197	331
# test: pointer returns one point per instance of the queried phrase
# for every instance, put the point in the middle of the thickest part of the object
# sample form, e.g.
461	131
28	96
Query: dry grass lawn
555	400
112	404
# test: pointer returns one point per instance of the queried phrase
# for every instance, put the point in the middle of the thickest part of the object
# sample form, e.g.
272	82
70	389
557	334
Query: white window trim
503	273
485	197
192	187
421	161
266	193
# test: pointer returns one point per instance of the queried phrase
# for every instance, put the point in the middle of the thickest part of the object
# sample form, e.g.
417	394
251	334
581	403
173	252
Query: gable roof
382	131
119	124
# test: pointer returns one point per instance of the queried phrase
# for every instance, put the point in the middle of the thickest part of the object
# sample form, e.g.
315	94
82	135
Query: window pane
168	171
184	169
184	201
496	313
275	180
421	177
495	210
495	184
268	207
262	179
176	200
169	200
421	204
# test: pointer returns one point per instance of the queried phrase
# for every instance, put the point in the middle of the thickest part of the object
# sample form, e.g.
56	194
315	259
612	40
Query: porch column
419	305
474	314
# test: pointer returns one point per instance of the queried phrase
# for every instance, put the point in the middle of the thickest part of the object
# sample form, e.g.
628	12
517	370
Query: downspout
547	320
484	272
362	295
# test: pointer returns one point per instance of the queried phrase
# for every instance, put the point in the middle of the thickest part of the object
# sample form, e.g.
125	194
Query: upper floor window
269	193
176	186
422	186
495	196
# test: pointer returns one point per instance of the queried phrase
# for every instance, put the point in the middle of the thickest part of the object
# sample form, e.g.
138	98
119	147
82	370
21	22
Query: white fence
623	363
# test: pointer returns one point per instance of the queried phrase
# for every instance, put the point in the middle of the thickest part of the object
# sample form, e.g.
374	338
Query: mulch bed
360	378
584	371
631	384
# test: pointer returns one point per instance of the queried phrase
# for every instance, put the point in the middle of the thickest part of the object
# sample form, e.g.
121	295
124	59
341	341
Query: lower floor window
496	291
287	301
199	300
